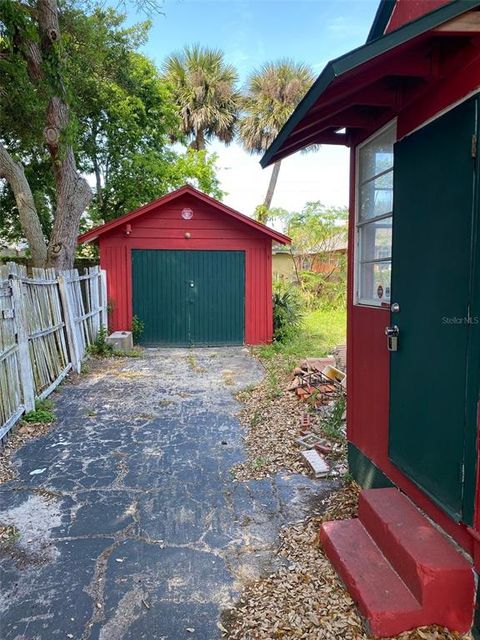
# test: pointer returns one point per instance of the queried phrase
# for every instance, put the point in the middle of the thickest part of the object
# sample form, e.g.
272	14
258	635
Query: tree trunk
272	184
198	143
72	190
14	174
295	266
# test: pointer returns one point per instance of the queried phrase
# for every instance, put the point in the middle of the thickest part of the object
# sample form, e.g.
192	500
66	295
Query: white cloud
321	175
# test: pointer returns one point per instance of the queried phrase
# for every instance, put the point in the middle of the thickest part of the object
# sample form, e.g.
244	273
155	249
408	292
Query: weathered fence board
47	321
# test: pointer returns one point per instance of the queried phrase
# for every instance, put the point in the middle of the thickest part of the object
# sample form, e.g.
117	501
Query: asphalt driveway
130	524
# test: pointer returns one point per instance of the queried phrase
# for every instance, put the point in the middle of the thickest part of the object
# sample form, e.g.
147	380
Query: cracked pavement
130	524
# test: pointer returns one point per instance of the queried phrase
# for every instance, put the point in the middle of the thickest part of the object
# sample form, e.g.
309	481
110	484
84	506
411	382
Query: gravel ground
305	600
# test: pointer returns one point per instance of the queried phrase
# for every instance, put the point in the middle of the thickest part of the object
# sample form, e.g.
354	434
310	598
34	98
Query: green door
189	297
434	372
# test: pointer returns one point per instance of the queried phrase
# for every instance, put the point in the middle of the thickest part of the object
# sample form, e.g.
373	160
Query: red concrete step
439	576
380	594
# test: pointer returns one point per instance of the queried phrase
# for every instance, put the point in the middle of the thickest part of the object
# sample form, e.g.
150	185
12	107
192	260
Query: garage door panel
189	297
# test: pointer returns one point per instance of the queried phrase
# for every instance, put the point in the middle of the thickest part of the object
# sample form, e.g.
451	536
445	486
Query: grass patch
127	353
42	414
319	333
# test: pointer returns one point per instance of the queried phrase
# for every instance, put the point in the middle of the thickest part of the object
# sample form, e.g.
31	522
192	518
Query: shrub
100	346
43	413
137	327
287	311
324	291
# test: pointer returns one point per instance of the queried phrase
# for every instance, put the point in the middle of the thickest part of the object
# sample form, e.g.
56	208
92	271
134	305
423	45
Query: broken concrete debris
321	383
316	462
309	440
318	378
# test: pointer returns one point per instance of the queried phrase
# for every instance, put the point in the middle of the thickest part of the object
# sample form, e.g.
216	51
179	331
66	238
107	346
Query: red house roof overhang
96	232
366	87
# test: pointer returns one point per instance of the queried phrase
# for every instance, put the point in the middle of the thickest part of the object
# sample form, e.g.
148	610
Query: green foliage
123	115
9	535
287	311
319	241
325	290
259	463
138	327
127	353
42	414
100	346
272	93
320	331
332	424
204	90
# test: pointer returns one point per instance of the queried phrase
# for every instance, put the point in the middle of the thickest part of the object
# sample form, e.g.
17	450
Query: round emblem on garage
187	214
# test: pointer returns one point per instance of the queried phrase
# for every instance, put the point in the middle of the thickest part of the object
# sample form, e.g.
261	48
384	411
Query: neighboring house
316	260
407	104
282	263
193	270
11	252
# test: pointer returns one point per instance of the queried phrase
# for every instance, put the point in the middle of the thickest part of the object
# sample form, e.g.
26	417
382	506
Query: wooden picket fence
47	321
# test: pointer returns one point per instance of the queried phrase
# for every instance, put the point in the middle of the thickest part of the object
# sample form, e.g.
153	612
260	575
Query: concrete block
316	463
121	340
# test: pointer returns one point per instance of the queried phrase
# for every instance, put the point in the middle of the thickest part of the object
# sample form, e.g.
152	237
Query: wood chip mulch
305	600
272	424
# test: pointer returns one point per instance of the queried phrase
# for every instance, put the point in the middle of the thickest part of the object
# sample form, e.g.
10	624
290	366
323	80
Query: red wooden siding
408	10
164	228
368	358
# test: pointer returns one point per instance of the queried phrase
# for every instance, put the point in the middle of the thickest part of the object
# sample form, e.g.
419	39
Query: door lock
392	337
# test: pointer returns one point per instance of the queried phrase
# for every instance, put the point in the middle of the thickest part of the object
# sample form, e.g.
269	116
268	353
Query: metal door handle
392	331
392	334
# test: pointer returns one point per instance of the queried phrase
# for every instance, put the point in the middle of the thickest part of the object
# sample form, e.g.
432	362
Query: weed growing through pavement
193	364
42	414
100	346
259	462
9	535
127	353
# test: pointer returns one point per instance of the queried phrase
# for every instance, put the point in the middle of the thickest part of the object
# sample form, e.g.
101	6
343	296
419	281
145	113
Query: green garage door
189	297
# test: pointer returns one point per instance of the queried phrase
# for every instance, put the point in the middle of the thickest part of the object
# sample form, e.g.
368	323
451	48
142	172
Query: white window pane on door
375	282
376	197
375	240
377	156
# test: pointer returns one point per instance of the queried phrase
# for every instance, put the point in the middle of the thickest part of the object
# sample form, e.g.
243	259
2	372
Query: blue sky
251	32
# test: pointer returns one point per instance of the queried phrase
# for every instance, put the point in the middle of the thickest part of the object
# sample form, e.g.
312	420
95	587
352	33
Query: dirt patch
20	434
305	600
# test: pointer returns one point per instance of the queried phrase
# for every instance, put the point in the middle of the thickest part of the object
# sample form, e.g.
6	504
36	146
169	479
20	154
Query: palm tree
204	88
271	95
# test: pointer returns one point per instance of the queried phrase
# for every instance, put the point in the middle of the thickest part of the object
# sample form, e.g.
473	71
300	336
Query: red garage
407	104
193	270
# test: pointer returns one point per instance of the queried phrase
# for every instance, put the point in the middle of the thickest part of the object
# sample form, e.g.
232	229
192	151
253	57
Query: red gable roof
100	230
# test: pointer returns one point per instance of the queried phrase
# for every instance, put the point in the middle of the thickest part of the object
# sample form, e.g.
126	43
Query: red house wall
210	229
368	359
408	10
